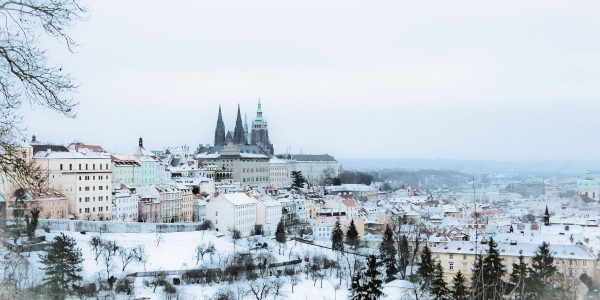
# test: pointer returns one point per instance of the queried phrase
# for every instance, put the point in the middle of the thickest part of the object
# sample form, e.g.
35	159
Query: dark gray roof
313	157
252	149
44	147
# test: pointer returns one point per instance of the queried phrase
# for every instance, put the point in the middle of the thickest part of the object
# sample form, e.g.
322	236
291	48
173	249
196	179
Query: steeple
546	217
220	130
259	114
141	142
246	133
238	132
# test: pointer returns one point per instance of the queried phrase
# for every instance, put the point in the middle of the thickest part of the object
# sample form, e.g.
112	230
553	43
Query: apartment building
83	177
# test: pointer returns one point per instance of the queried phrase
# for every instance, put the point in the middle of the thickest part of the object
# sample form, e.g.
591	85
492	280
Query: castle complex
259	136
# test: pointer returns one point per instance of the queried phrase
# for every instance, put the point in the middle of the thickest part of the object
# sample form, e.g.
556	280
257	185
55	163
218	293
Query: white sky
505	80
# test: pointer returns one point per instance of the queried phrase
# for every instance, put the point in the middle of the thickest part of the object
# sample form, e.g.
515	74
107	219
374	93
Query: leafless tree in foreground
27	76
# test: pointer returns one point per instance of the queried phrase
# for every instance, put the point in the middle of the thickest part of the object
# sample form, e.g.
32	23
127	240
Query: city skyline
467	80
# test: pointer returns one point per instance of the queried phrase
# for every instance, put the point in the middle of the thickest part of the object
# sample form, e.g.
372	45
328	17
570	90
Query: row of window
86	167
252	170
100	209
87	188
255	179
101	177
87	199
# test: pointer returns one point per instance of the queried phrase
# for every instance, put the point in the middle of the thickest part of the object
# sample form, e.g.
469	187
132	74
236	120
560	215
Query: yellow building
187	203
571	260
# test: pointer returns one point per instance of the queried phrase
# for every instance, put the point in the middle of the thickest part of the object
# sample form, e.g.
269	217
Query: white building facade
84	178
232	211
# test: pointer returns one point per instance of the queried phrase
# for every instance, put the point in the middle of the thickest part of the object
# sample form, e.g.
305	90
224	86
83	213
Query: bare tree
127	256
107	261
203	249
294	280
98	246
140	255
277	284
260	288
159	238
27	76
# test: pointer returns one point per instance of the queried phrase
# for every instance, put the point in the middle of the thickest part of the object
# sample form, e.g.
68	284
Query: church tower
238	133
260	131
220	130
546	217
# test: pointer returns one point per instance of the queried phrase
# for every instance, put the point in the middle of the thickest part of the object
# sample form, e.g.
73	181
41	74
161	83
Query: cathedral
258	136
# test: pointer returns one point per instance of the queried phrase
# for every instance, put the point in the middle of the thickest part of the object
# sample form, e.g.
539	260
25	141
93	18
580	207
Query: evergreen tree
518	278
426	268
298	180
32	223
367	286
438	289
352	236
62	264
337	237
373	286
280	234
358	289
404	256
459	290
541	272
387	254
493	270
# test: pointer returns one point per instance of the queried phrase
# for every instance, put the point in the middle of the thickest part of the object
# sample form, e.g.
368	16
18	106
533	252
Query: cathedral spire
259	114
238	132
220	130
246	132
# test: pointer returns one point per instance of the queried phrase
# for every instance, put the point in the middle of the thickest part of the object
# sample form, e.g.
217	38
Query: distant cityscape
239	184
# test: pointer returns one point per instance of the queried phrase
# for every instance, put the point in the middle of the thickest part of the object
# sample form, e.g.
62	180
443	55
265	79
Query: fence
115	226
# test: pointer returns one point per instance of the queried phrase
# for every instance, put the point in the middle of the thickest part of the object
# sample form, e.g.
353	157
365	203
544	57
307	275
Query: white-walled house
268	213
124	203
232	211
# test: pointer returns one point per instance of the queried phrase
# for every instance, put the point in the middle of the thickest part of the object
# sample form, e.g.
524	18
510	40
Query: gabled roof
245	151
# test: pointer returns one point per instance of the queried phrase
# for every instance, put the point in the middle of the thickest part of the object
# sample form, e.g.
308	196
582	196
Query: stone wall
115	227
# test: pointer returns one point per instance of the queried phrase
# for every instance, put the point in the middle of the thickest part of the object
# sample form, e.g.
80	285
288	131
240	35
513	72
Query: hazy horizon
508	81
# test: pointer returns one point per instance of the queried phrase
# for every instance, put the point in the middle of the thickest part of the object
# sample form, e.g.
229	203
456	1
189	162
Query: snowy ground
175	251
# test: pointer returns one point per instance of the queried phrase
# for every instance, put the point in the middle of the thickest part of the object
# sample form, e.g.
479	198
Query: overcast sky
502	80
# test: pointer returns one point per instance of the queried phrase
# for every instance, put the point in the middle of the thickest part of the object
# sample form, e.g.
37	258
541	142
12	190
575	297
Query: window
93	166
80	189
61	167
79	166
79	199
70	167
86	166
451	267
451	256
87	188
